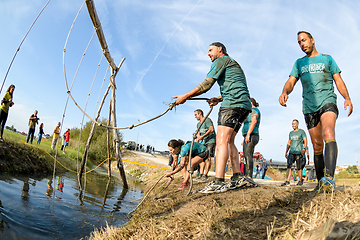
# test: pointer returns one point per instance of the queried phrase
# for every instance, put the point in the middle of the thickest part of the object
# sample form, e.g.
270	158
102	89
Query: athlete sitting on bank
180	152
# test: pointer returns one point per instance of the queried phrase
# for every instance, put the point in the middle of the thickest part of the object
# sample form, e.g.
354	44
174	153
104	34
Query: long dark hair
253	101
175	143
8	90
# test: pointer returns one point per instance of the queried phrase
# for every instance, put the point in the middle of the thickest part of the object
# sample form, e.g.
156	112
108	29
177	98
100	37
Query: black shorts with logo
294	158
313	119
232	117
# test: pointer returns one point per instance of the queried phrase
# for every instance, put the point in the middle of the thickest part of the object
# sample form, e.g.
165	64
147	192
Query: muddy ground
264	212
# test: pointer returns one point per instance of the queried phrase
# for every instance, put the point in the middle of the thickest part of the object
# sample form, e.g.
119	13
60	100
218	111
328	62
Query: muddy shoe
300	183
326	185
198	178
183	186
214	188
204	179
233	184
286	183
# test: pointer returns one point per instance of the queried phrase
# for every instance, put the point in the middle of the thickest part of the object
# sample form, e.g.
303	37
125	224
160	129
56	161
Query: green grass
69	159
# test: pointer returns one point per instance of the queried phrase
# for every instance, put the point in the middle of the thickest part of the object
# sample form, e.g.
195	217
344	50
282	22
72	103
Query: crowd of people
317	72
7	102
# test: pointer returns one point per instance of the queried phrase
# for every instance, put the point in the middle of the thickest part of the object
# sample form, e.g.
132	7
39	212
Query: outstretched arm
178	168
343	91
198	90
289	86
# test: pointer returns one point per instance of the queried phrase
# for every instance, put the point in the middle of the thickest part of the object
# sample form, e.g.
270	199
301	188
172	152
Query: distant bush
98	147
346	174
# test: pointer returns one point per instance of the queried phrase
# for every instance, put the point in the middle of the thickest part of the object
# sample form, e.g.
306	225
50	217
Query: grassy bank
19	157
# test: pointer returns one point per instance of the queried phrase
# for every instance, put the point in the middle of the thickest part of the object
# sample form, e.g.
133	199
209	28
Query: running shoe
197	178
214	188
286	183
300	183
183	186
233	184
204	179
326	184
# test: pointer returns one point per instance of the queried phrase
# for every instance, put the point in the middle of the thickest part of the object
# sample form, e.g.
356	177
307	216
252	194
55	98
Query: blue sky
165	44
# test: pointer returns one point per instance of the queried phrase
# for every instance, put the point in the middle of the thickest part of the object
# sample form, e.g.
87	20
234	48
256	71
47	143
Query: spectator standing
33	120
258	170
41	132
55	136
66	139
6	102
264	167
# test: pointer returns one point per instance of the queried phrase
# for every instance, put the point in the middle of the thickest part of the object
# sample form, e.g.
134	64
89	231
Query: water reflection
30	207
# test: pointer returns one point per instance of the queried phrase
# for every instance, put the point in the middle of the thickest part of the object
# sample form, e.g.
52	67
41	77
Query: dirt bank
17	157
265	212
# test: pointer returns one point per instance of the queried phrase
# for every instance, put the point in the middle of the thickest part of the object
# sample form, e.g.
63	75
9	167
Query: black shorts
232	117
294	157
204	155
313	119
211	147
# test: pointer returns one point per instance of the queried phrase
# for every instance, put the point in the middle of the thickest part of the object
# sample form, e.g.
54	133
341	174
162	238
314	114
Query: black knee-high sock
319	165
330	157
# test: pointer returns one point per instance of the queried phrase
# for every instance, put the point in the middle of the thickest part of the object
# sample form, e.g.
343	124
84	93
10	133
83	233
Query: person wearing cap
235	106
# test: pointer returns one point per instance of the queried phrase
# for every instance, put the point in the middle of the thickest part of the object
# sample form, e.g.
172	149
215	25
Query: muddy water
42	208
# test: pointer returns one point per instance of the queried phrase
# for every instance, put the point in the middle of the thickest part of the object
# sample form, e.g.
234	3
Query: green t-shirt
297	141
211	138
197	149
247	122
316	74
231	79
5	106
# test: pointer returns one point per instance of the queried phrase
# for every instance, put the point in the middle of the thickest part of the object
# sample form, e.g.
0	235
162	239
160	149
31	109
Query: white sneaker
214	188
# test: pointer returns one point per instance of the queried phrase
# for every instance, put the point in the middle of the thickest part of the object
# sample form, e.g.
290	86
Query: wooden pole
91	134
116	136
108	142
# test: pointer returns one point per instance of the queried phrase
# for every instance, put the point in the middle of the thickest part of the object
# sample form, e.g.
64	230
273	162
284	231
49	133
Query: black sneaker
300	183
214	188
286	183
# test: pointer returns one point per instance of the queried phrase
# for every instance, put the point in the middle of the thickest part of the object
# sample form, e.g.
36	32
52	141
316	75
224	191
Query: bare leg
288	174
222	151
208	165
234	154
300	175
194	161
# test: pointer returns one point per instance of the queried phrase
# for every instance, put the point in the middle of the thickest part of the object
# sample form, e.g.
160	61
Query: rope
67	38
18	49
146	195
192	143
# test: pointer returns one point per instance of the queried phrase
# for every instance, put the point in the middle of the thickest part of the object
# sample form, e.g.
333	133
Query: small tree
352	169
